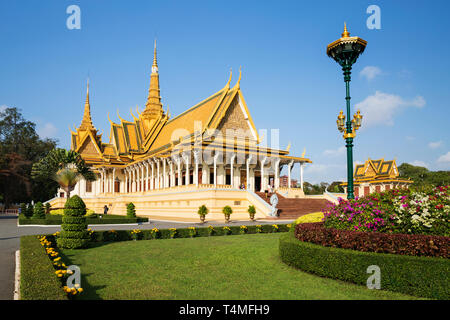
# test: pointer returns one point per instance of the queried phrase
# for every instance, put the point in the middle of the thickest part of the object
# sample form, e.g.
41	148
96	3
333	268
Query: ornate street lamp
346	51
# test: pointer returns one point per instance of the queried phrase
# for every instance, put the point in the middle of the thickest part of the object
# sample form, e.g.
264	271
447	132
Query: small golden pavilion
155	160
376	176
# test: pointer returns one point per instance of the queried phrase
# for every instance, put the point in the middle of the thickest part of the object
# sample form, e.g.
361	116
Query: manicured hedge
37	275
418	276
124	235
57	220
404	244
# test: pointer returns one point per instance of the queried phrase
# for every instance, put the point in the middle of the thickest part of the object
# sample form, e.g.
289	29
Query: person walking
105	209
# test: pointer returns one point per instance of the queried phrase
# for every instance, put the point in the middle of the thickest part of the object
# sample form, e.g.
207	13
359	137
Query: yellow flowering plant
226	230
135	234
258	228
192	231
173	232
243	229
211	230
155	233
275	228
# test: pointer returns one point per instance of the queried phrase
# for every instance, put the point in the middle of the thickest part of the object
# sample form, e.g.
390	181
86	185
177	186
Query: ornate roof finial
155	62
229	80
345	34
238	83
86	123
153	106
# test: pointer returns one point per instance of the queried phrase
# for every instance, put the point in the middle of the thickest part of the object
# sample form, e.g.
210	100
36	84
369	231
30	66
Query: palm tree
64	166
67	178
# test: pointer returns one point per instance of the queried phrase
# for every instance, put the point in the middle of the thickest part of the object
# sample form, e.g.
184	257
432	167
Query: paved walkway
10	235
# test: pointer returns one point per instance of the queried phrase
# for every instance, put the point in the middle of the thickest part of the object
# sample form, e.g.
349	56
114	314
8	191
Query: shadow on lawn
89	291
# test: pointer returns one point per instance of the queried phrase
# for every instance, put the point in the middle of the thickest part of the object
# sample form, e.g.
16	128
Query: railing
10	211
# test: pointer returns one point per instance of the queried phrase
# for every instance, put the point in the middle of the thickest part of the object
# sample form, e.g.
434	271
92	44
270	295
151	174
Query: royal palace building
169	166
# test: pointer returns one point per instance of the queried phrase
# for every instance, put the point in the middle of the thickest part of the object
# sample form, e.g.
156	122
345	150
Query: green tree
422	177
20	147
63	166
38	212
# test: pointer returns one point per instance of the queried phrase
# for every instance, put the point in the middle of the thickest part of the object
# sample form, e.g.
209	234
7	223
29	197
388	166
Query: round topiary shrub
74	232
23	209
38	211
29	211
131	211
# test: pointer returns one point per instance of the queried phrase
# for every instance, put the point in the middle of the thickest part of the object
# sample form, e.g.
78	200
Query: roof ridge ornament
229	80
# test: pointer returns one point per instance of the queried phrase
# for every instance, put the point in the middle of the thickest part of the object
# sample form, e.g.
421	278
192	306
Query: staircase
293	208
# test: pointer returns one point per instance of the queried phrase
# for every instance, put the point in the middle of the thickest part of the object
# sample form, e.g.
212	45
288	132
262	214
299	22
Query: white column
196	168
232	171
277	174
142	177
205	174
180	181
289	173
186	162
248	172
157	174
263	180
215	169
114	181
172	176
164	173
126	180
130	181
152	181
301	174
133	187
146	175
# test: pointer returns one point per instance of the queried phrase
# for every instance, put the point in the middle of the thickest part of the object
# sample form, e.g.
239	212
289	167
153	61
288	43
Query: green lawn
226	267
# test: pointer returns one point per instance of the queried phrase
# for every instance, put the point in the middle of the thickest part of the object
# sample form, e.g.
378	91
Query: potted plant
202	211
227	211
251	211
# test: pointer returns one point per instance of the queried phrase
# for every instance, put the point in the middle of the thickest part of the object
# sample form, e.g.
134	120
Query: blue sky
401	82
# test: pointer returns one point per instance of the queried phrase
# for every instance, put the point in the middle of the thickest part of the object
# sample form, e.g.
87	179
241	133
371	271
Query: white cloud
3	107
370	72
48	130
419	163
410	138
334	153
435	145
380	108
444	158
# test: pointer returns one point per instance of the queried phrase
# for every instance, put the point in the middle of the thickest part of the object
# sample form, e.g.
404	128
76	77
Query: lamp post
346	51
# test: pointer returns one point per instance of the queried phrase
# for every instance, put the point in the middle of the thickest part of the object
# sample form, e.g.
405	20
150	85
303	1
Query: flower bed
394	211
402	244
418	276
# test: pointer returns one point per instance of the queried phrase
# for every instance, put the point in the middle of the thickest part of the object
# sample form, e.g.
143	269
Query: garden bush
73	228
394	211
38	211
418	276
402	244
29	211
124	235
131	211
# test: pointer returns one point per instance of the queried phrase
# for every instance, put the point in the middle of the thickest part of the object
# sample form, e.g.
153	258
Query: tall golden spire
345	34
153	107
86	123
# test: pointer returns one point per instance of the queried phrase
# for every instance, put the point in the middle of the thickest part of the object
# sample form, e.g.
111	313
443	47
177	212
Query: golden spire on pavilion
153	107
86	122
345	34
